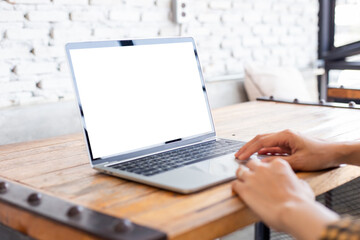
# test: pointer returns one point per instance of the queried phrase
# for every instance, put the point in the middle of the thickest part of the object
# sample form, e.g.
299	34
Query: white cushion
282	83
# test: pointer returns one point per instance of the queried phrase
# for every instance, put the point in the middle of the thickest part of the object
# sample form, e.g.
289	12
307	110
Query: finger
269	159
272	158
290	159
283	163
273	140
237	187
242	172
246	146
253	164
270	150
274	150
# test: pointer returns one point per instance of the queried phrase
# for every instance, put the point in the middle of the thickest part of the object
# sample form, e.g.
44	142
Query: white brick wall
229	33
16	34
47	16
34	68
11	16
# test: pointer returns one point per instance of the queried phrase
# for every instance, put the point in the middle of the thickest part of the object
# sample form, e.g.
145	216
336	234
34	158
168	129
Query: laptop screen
139	96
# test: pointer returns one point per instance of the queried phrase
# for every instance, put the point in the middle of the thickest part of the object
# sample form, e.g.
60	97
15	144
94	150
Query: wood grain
60	167
39	227
343	93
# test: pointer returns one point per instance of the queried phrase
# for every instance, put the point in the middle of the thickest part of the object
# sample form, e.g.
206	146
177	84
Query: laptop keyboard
165	161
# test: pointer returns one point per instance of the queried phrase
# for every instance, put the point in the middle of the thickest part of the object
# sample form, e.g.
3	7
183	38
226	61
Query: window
339	50
347	22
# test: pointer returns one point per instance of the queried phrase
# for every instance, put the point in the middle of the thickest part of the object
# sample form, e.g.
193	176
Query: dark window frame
331	57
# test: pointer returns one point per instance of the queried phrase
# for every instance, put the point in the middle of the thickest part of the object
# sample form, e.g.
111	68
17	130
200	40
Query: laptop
146	116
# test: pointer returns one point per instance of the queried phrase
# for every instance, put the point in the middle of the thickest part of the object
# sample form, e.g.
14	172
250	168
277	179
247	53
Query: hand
267	187
280	199
301	152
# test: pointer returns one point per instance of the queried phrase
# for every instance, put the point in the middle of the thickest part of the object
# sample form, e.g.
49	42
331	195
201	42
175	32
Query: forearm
348	153
306	220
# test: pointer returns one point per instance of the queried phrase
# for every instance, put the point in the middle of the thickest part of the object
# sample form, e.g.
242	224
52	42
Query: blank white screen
139	96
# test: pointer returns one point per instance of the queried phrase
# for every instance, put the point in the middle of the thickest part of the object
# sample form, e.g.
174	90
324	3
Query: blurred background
36	93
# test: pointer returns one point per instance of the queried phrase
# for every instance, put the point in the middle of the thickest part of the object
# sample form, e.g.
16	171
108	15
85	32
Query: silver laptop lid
141	96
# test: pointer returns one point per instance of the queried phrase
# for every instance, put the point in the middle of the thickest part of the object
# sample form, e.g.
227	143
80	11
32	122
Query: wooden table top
60	167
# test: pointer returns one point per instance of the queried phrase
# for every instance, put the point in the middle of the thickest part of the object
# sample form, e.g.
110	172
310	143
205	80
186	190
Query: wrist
306	219
346	153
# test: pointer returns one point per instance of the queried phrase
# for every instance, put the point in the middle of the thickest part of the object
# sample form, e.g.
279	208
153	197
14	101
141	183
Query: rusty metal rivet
74	211
34	199
322	102
4	186
352	104
271	97
123	225
296	100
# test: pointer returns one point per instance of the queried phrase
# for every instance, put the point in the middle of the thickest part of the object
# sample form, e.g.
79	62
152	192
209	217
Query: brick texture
229	33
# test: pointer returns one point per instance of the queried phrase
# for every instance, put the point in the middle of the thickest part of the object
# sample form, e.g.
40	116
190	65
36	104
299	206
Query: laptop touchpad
222	166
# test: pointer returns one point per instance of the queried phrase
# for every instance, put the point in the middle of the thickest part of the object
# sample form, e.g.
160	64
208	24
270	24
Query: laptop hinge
209	139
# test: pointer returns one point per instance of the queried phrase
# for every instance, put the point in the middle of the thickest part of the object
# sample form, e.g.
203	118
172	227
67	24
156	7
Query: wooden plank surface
60	167
343	93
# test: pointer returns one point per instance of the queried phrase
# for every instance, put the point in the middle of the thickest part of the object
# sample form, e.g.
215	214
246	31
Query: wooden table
60	167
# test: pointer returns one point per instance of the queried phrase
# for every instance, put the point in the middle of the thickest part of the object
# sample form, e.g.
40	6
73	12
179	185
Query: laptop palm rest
195	176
